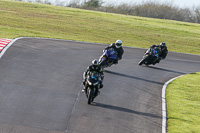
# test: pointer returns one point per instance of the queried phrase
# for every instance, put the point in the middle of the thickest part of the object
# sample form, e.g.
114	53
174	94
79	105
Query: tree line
146	9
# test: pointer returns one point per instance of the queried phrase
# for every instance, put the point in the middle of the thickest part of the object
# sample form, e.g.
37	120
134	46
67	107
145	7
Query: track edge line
7	46
164	104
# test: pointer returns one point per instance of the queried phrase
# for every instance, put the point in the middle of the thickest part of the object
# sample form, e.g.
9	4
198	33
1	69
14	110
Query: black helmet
163	44
118	43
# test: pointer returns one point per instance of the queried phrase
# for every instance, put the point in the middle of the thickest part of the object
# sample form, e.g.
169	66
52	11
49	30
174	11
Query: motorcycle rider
162	46
94	68
164	50
118	47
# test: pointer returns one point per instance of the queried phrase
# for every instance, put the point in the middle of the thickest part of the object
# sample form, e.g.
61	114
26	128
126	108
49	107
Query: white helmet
118	43
95	64
163	44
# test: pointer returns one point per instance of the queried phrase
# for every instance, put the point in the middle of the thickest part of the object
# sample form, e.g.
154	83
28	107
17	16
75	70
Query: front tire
90	95
141	62
145	61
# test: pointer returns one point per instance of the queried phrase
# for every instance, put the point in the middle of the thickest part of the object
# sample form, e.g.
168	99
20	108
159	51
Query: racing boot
83	90
101	86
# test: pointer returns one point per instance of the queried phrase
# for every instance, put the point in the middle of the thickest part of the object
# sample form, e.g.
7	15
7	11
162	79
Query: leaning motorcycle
107	58
151	56
93	82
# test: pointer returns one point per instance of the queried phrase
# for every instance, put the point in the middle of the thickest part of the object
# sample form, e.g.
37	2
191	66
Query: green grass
19	19
183	104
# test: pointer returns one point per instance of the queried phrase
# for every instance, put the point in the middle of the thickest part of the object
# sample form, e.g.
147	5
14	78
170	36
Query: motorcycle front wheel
141	62
145	61
90	95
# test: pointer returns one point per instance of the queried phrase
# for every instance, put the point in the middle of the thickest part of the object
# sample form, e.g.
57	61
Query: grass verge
183	104
19	19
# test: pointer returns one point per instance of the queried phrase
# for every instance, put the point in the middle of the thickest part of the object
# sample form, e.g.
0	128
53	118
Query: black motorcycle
93	82
151	56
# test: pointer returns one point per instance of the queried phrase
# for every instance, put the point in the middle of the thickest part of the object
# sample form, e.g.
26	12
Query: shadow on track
167	70
129	76
106	106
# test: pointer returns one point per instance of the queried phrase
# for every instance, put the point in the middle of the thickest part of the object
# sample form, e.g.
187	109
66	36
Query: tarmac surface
40	89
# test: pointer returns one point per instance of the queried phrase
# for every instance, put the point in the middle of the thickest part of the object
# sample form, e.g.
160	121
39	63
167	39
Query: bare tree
145	9
92	4
197	15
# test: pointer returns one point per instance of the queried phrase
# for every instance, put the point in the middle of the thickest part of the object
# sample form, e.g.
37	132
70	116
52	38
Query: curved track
40	84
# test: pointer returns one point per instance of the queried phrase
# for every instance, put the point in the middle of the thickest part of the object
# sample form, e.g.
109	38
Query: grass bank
19	19
183	104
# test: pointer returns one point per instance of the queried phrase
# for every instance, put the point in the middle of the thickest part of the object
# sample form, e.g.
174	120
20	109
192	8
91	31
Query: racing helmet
163	44
95	63
118	43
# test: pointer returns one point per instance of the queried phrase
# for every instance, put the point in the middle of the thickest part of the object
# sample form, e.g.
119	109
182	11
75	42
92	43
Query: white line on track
164	105
6	47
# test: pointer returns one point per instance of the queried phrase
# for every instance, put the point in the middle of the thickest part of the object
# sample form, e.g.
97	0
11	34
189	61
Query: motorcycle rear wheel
102	63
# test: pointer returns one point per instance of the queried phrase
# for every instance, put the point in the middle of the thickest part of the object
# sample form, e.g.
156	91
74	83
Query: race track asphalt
40	89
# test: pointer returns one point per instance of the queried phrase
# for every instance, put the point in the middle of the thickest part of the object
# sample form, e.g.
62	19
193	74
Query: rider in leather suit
96	69
118	47
163	49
